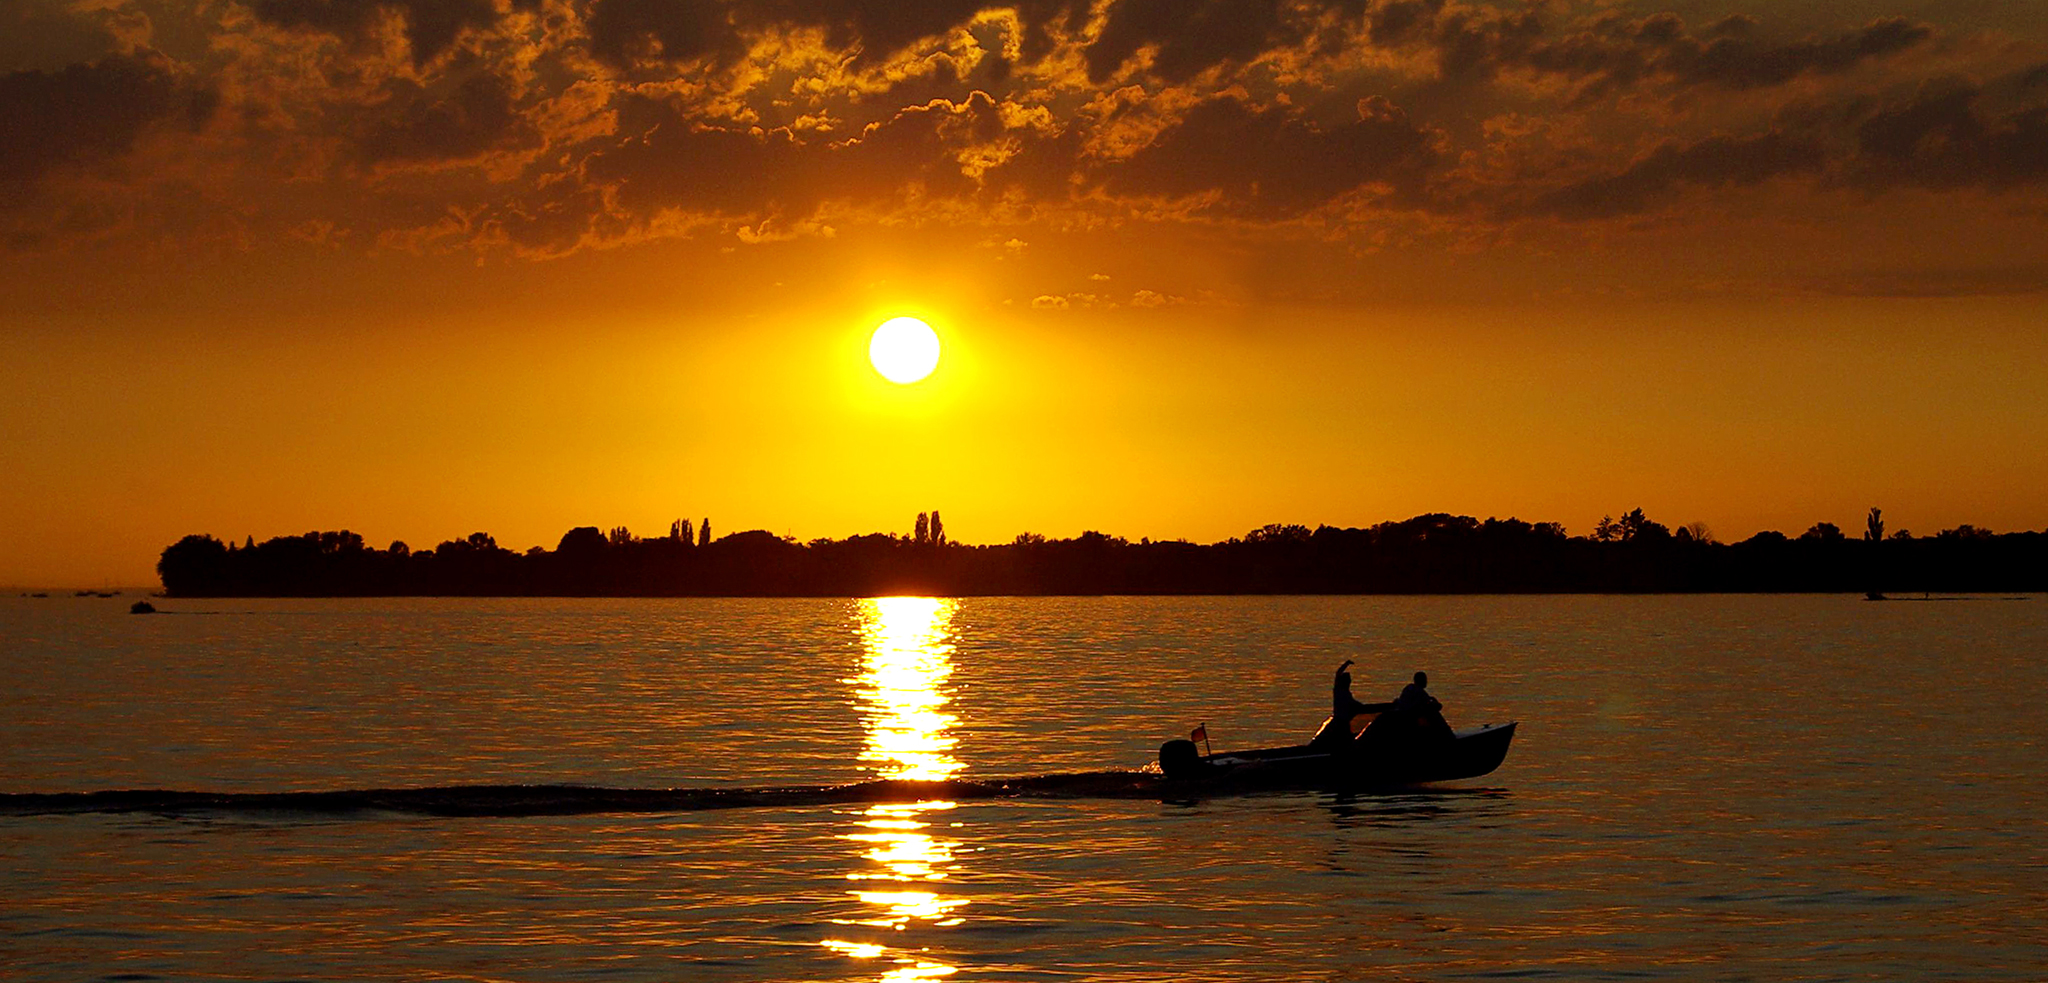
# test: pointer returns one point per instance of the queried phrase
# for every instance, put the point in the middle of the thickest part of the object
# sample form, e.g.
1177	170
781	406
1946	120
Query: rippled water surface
1767	788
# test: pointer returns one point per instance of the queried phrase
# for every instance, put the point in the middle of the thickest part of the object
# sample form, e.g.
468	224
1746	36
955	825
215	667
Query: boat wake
566	800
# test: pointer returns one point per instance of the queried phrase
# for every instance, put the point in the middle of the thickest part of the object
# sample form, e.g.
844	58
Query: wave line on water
559	800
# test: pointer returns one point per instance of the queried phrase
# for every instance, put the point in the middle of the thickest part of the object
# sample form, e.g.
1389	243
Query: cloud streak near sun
539	128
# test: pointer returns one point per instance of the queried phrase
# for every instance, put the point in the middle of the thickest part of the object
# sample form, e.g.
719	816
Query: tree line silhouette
1434	553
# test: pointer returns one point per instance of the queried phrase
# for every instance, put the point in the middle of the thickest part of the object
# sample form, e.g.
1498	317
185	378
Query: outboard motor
1181	759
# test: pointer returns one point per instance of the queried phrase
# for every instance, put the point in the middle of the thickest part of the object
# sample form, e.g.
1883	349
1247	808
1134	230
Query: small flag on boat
1200	733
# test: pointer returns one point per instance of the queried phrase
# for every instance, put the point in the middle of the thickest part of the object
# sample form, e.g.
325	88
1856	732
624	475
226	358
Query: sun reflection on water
907	658
909	654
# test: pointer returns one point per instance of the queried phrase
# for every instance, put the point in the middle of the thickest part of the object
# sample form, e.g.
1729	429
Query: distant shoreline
125	590
1429	554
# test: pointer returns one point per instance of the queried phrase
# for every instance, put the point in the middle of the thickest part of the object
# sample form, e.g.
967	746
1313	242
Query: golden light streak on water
919	971
908	655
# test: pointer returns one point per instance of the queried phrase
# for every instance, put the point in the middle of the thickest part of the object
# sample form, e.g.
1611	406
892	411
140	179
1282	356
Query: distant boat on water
1467	753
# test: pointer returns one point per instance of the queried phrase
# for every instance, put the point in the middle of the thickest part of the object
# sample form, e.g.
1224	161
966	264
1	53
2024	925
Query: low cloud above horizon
541	128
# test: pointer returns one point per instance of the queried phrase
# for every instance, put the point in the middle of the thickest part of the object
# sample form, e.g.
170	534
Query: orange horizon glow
1174	425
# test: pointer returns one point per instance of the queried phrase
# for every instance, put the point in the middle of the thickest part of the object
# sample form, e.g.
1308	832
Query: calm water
1727	788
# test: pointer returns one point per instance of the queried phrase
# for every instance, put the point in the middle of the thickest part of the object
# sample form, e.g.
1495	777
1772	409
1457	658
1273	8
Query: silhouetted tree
1277	533
1824	532
1606	530
193	565
1873	526
581	541
1028	539
938	529
1635	525
1699	533
924	530
476	542
704	533
620	536
398	548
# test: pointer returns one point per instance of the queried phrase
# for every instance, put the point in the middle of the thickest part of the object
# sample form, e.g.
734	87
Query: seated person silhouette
1415	697
1344	709
1417	714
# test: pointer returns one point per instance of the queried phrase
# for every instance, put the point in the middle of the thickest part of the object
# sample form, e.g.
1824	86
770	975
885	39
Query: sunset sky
419	268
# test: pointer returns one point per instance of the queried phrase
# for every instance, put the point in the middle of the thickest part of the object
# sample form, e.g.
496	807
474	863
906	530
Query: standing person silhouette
1343	709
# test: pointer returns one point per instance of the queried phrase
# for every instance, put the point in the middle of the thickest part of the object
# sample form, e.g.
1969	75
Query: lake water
1711	788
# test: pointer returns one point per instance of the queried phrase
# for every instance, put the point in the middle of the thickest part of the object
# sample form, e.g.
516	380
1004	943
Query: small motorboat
1348	764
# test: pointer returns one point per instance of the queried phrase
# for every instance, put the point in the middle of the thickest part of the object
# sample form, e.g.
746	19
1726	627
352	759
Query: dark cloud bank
545	126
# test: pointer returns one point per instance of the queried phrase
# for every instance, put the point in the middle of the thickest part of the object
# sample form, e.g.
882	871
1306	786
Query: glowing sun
904	350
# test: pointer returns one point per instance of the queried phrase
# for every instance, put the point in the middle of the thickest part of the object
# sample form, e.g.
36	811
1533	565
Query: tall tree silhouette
924	530
1606	530
938	530
704	533
1873	527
